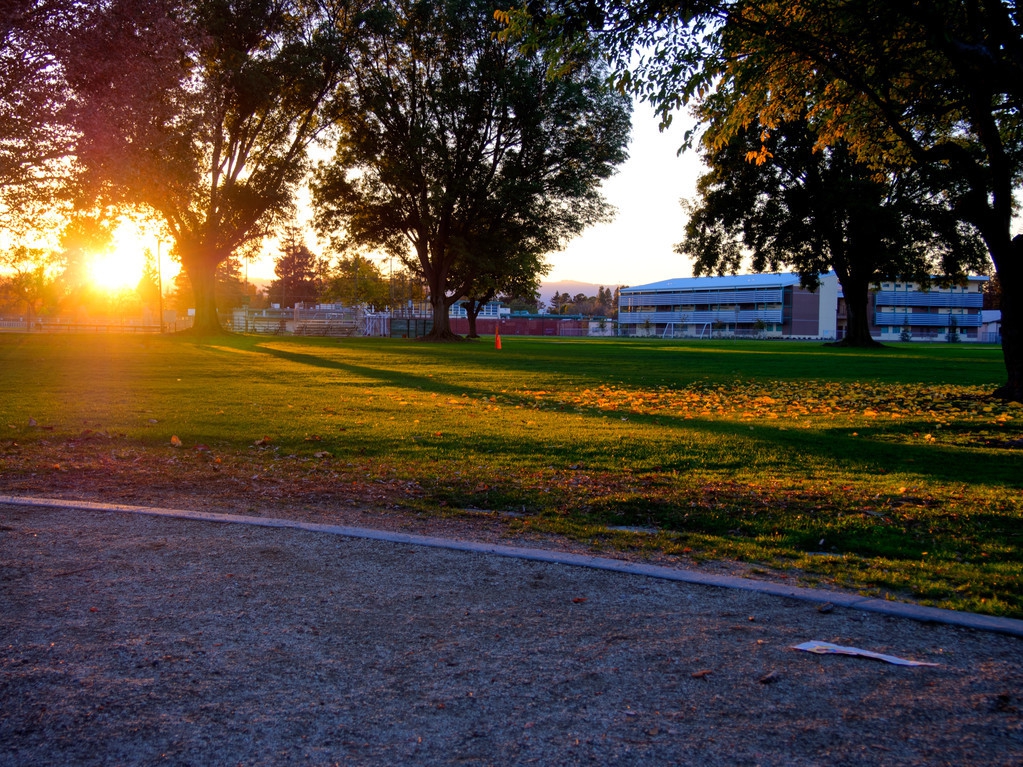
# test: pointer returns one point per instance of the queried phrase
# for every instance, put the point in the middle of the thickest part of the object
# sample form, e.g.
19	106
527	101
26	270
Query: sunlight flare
121	265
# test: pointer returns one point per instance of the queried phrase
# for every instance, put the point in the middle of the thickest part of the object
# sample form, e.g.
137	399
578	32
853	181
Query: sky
638	246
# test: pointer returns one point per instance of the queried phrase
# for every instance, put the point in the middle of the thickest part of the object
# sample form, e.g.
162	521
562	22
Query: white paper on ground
826	648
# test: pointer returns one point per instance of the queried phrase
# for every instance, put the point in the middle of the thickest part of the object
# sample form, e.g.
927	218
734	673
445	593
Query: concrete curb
988	623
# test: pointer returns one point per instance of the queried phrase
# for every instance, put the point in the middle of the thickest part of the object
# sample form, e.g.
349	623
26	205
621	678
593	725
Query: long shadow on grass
671	363
394	378
856	454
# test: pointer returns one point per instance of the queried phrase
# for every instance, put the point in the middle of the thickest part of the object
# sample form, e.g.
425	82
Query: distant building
491	310
902	310
776	306
991	326
742	306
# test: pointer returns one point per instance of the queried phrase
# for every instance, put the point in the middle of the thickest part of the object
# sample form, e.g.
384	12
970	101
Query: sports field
889	471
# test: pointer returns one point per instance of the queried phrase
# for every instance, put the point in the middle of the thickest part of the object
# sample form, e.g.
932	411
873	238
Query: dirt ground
131	640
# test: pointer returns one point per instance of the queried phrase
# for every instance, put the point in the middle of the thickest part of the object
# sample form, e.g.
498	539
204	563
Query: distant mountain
548	289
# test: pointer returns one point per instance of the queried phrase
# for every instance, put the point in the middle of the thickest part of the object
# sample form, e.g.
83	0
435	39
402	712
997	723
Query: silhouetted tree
448	130
816	210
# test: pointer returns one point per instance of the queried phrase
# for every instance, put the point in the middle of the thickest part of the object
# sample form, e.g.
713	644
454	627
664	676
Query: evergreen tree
299	272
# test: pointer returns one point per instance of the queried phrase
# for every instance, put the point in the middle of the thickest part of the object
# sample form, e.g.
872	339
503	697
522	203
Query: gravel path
145	640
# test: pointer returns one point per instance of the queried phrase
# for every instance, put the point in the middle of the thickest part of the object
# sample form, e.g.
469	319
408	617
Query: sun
121	265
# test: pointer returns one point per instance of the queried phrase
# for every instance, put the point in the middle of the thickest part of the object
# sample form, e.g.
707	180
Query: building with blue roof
748	305
777	306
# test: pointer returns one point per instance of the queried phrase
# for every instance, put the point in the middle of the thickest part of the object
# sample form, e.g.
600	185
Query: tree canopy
458	156
819	210
935	85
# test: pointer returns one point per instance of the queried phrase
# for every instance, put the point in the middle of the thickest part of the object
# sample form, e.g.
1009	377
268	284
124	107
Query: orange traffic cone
497	338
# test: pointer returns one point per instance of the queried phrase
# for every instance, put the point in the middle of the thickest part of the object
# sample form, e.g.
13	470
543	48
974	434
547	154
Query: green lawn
886	471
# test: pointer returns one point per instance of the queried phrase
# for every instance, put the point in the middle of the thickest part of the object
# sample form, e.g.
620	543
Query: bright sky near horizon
638	246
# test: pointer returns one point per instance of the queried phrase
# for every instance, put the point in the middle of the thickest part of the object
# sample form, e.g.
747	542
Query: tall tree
818	210
299	272
357	280
932	84
218	144
30	281
446	128
559	301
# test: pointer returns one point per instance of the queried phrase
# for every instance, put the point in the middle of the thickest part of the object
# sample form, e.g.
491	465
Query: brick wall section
806	310
524	326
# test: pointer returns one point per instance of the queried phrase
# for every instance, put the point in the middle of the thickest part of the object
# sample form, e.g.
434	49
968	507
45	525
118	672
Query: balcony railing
930	298
702	298
921	319
742	317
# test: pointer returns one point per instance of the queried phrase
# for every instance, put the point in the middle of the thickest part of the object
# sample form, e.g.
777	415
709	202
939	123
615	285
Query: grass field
888	471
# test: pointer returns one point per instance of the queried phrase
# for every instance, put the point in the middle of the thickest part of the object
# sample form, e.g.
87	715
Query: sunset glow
122	264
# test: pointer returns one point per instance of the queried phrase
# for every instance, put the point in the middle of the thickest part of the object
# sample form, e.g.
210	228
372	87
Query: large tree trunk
473	307
201	269
441	321
857	303
1009	267
472	312
436	278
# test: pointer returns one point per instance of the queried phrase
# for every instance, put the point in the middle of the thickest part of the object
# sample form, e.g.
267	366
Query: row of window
647	309
970	287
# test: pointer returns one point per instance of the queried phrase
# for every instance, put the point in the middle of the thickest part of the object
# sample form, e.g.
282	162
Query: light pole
159	281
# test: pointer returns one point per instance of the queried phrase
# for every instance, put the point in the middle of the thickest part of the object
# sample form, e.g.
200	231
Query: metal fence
102	326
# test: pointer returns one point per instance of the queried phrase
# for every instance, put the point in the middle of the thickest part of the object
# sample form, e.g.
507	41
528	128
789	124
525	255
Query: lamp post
159	281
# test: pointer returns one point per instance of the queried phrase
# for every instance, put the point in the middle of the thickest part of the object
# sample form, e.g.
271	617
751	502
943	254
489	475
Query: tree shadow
860	453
